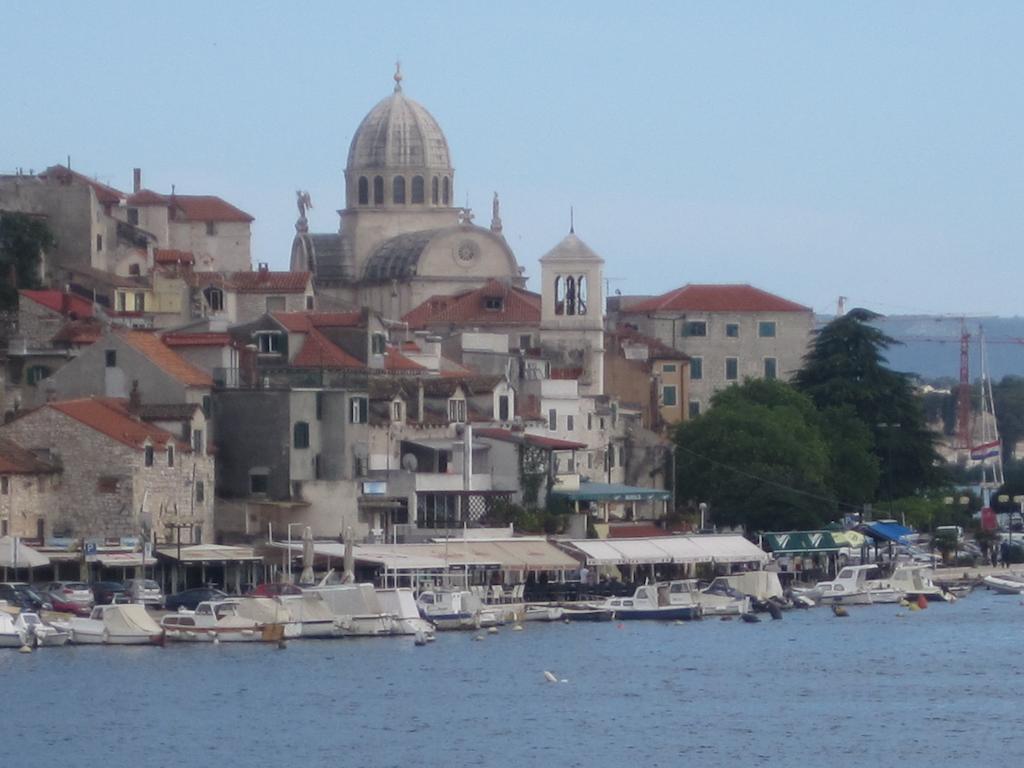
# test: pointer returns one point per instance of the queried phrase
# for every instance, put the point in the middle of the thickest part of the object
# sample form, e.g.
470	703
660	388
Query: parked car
190	598
69	597
18	594
107	592
273	590
145	592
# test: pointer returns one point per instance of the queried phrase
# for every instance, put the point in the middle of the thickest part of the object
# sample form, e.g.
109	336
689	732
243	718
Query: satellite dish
409	462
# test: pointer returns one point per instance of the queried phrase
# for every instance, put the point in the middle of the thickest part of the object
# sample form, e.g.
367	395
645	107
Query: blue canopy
884	531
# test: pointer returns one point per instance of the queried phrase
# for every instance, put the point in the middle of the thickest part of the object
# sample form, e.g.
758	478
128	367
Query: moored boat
1005	584
11	635
400	603
718	599
449	609
40	633
217	620
539	612
913	583
651	601
116	625
585	612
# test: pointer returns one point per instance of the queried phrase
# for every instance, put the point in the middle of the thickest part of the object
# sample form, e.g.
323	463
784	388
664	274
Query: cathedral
401	238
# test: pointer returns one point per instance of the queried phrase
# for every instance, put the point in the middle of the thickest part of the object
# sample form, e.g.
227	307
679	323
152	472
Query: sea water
883	687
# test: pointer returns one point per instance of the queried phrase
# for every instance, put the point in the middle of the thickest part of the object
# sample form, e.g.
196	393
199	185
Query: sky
871	150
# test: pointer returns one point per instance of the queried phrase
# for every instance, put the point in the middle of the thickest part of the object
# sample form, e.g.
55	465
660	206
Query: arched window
445	190
398	190
433	191
581	295
364	191
378	190
300	435
559	296
36	374
214	298
417	190
570	295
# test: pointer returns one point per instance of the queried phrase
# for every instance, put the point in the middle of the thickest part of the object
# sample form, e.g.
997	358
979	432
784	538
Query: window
133	216
99	242
559	295
121	301
309	302
214	299
552	419
200	492
668	368
611	457
198	446
445	190
456	409
771	368
396	410
590	421
622	455
570	423
581	295
300	435
493	303
276	304
36	374
259	482
766	329
140	302
358	406
364	191
170	455
318	467
417	190
696	368
398	189
732	365
433	191
268	342
378	190
134	270
570	295
525	341
695	328
378	344
319	406
503	409
3	527
5	485
111	358
590	460
207	406
668	395
106	484
732	330
211	228
149	455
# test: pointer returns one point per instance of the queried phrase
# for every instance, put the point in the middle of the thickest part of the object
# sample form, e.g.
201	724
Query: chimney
134	398
264	267
136	180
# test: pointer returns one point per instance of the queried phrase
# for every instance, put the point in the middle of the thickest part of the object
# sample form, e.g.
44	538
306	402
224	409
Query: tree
23	239
1008	397
845	368
758	458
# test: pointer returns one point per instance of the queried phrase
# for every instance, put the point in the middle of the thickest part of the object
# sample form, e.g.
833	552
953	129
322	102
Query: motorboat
851	586
313	615
760	586
40	633
538	612
11	635
652	601
357	609
116	625
221	621
585	612
455	609
913	583
717	599
1005	583
400	603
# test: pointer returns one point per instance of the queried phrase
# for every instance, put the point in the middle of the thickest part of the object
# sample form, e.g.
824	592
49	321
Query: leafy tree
1008	396
22	239
758	458
845	367
854	469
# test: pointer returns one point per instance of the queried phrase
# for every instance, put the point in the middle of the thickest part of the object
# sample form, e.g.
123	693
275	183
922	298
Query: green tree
1008	396
23	239
758	458
845	368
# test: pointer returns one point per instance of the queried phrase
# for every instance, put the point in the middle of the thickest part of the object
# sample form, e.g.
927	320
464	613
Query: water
882	687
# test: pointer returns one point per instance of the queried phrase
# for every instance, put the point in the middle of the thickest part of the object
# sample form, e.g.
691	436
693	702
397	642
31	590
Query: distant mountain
931	345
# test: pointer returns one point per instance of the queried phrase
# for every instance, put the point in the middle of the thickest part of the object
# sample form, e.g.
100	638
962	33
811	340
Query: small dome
399	134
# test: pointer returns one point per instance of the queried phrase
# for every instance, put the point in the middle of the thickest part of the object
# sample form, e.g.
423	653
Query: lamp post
288	568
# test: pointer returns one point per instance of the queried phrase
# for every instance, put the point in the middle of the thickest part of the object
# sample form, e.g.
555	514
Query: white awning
209	553
14	554
723	548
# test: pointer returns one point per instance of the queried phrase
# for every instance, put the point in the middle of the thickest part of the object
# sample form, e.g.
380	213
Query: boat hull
586	614
669	613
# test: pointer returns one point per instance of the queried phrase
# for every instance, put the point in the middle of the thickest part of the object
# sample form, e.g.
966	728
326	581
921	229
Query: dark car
273	590
21	595
107	592
190	598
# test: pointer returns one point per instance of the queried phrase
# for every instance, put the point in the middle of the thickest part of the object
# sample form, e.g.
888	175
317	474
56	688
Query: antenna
572	221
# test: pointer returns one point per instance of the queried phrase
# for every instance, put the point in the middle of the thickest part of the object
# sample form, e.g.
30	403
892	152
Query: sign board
90	548
375	487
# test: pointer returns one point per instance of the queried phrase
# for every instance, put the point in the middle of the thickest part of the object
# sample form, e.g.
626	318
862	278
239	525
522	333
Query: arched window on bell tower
581	295
445	190
417	190
570	295
559	295
364	191
433	191
378	190
398	190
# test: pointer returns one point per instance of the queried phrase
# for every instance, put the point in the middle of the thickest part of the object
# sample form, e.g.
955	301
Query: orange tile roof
716	298
84	332
105	194
207	208
67	304
165	358
172	256
259	281
110	417
518	307
15	460
209	339
318	352
299	322
396	361
148	197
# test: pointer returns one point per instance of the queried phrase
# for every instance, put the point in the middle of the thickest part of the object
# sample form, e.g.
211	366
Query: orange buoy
922	601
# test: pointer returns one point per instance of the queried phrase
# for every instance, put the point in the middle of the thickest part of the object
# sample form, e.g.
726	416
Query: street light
288	568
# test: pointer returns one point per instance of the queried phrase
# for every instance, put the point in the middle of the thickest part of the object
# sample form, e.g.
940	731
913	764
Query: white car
145	592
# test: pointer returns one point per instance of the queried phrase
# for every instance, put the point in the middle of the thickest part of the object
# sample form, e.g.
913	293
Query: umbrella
350	559
14	554
307	556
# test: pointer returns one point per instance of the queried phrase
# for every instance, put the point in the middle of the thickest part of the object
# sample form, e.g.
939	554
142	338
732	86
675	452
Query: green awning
800	542
613	492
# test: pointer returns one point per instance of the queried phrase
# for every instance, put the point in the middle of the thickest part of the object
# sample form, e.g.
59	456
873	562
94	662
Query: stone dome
399	134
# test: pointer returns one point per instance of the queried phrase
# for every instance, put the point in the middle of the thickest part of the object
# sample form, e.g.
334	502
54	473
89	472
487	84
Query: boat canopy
884	531
698	548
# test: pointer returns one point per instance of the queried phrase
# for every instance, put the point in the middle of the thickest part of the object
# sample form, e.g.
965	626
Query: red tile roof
15	460
110	417
82	332
180	339
300	322
518	307
396	361
172	256
105	194
657	349
165	358
268	281
716	298
207	208
319	352
67	304
148	197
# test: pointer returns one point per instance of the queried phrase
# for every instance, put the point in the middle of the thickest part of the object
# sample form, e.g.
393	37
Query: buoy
216	640
550	677
922	602
839	611
751	618
914	607
421	638
566	620
905	603
620	626
478	637
492	630
282	644
25	649
678	622
517	627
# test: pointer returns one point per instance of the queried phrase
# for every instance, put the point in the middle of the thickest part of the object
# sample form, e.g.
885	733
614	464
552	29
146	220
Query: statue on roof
496	215
304	203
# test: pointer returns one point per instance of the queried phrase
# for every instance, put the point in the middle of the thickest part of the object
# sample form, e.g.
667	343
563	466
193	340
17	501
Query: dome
399	134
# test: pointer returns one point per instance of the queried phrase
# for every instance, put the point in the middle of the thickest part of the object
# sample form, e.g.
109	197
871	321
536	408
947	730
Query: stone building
729	332
402	238
28	490
119	475
647	375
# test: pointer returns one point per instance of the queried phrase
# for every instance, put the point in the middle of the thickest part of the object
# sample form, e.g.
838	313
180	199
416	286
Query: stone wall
37	324
27	501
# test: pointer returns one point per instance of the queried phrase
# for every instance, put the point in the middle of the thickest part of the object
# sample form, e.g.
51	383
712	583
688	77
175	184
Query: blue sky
871	150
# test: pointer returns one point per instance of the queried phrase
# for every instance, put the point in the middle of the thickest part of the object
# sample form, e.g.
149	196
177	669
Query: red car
273	590
70	597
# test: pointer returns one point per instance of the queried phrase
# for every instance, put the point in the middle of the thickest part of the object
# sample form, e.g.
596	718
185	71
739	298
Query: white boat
357	609
400	602
717	599
1005	583
849	587
543	613
913	583
40	633
220	620
313	615
11	635
759	586
455	609
116	625
653	601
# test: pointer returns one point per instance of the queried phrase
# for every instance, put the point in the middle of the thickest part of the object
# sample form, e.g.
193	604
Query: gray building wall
253	430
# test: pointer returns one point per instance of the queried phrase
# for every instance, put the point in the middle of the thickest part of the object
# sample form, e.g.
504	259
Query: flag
985	451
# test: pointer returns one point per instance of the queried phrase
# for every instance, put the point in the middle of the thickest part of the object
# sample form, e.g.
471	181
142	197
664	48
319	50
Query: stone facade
26	501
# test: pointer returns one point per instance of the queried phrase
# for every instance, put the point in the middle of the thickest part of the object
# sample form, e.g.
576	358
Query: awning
802	542
120	559
209	553
698	548
613	492
884	531
14	554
